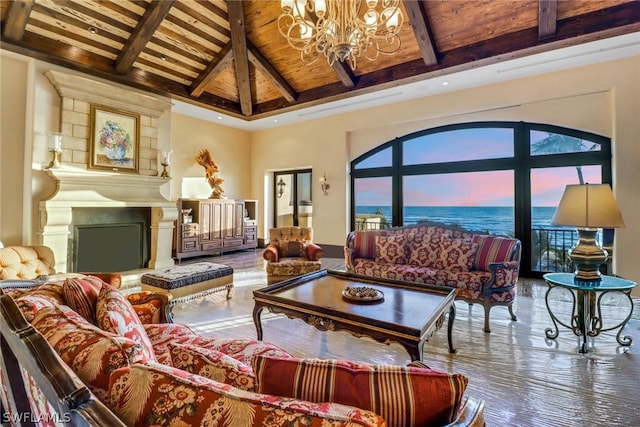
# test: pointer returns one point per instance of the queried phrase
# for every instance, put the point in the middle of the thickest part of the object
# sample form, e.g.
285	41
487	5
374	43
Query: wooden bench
184	282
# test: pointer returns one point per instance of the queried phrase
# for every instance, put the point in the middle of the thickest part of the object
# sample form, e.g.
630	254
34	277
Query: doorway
293	199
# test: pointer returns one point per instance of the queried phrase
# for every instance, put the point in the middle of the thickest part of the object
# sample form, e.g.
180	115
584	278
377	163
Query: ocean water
494	220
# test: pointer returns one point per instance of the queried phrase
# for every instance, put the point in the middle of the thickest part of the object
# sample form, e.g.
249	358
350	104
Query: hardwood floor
524	378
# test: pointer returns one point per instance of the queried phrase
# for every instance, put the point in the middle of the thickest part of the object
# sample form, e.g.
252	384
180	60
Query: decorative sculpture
205	160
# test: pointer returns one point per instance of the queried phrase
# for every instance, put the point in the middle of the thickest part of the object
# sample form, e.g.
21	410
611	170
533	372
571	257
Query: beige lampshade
588	206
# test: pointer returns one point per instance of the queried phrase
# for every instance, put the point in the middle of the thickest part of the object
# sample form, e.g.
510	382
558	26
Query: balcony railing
549	248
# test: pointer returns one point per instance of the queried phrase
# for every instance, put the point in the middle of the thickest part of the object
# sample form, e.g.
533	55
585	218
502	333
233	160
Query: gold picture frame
114	142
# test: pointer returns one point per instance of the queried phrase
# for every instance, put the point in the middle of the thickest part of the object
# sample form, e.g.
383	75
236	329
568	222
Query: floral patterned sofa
82	354
482	268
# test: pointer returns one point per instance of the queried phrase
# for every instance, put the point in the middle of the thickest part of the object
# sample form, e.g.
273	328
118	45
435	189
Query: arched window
495	177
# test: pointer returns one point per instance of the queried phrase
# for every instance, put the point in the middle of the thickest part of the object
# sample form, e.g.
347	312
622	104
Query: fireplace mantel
84	188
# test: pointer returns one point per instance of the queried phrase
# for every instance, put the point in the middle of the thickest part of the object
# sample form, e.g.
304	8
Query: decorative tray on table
362	294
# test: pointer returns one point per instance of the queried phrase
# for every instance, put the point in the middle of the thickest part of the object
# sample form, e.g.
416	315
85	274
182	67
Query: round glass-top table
586	318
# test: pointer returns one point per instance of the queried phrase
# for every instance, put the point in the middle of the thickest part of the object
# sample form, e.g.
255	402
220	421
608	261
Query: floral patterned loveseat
482	268
80	354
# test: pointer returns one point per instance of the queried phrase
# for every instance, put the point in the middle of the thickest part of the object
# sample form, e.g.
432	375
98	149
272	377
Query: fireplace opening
109	239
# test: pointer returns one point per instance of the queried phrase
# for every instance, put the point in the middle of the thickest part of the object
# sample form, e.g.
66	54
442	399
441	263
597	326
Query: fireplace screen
110	240
108	248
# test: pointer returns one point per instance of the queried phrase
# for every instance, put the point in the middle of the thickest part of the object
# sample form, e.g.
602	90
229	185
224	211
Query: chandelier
341	29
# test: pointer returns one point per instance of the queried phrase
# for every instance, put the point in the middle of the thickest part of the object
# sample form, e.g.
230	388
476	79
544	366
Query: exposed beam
345	74
547	16
16	20
235	8
151	20
214	68
270	73
420	24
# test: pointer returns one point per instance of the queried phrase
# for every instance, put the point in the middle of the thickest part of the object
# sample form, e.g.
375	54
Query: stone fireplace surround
77	186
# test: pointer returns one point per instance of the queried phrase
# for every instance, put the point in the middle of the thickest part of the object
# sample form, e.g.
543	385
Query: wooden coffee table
408	314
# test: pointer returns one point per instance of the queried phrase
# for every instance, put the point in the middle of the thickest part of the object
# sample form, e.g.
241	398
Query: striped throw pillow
492	249
81	294
402	395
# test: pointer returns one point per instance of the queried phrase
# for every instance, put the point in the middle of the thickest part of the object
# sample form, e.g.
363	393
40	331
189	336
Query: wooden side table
586	317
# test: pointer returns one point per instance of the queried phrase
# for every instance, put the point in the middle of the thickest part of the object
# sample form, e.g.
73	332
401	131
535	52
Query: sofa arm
151	307
270	253
504	275
314	252
348	259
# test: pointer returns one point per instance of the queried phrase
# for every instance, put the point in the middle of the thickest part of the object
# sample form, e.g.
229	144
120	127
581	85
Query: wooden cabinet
217	226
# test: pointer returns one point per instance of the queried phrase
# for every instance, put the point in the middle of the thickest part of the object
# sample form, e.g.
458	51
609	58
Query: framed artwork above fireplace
114	142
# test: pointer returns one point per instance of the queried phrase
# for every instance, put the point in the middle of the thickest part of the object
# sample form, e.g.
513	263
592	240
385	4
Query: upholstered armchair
291	252
32	262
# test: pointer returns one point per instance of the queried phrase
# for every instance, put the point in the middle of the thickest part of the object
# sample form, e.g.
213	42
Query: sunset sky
465	189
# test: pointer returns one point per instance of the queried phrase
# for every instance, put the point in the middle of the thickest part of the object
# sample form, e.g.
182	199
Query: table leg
257	310
452	316
583	318
552	334
597	322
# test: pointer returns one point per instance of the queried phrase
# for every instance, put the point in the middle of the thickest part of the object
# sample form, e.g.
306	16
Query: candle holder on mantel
55	148
164	173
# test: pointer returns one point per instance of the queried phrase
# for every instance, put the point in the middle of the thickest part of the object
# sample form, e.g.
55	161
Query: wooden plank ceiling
228	56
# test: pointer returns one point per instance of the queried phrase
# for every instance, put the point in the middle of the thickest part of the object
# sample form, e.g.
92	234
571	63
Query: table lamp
588	207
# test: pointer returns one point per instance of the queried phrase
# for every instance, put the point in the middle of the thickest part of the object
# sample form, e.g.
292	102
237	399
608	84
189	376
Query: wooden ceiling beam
17	17
345	74
150	21
270	73
235	9
214	68
420	24
547	17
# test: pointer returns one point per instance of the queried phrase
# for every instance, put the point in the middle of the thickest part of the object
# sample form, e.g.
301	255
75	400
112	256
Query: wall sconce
281	184
324	185
588	207
55	148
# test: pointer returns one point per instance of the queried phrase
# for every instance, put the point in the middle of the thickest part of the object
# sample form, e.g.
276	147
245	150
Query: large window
500	178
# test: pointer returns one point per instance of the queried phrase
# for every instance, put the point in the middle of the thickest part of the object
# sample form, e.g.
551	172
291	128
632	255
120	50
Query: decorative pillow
492	249
81	294
291	248
391	249
158	395
402	395
212	364
31	301
424	249
88	350
364	243
115	314
456	254
30	305
148	311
